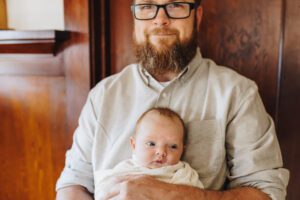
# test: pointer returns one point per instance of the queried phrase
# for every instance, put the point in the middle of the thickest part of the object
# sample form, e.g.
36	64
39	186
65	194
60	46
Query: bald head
165	113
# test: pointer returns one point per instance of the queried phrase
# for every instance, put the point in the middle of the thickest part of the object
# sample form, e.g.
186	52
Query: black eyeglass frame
158	6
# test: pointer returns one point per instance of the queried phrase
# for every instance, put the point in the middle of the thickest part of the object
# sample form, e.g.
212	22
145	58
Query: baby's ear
132	143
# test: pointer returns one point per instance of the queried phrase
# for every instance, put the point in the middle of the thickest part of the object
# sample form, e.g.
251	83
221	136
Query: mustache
163	31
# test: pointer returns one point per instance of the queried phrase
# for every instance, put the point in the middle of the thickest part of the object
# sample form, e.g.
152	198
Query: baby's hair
166	112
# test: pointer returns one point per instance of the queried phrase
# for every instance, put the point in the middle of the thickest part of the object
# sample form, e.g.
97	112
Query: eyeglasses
174	10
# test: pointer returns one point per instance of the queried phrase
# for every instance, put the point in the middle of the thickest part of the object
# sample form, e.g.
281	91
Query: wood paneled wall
259	39
40	100
289	95
32	125
246	37
76	59
32	134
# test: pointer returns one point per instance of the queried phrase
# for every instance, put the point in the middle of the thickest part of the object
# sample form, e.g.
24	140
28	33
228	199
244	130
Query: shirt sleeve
78	168
253	152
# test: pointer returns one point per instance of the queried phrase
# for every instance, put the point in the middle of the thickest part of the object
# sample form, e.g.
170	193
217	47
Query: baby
157	147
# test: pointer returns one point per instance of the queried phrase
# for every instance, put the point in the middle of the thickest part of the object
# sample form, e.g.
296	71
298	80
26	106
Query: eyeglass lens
175	10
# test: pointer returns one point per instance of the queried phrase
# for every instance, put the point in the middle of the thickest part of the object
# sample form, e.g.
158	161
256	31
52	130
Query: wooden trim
280	63
39	42
99	40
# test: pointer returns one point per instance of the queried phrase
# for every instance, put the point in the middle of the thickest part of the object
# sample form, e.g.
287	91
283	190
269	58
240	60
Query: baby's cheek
174	159
144	155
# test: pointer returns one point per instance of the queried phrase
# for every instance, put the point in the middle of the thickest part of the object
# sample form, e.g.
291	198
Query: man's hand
137	187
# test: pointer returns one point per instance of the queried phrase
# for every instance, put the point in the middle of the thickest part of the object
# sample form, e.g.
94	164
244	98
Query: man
232	142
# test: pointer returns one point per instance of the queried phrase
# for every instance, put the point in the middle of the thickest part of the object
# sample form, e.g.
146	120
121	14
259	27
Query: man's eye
146	7
175	5
173	146
150	144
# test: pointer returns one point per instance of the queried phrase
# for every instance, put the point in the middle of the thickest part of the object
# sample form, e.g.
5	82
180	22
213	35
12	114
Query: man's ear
132	143
199	14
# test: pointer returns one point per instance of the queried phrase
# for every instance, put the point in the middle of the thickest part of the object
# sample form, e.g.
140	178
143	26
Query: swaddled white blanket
181	173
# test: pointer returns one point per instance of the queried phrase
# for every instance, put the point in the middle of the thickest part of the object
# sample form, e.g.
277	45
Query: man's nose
161	18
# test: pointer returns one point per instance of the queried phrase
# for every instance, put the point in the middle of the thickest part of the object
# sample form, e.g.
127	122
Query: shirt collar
191	67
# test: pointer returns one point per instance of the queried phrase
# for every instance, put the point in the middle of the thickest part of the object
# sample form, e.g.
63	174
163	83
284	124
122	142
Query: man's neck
168	76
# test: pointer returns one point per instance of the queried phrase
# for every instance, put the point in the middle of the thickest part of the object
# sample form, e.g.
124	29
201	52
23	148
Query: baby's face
158	141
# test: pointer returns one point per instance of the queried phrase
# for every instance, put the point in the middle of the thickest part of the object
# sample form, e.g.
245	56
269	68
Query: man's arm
75	192
242	193
150	188
77	175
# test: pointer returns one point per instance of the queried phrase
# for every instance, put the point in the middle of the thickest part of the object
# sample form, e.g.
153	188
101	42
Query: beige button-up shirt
230	135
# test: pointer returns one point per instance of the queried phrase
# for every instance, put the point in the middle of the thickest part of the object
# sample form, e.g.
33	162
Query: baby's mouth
159	162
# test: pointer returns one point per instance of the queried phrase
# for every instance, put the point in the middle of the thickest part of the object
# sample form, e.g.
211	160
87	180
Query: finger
120	179
117	197
110	195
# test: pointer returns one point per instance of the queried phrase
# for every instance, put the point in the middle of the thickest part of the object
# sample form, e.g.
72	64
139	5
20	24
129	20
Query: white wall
35	14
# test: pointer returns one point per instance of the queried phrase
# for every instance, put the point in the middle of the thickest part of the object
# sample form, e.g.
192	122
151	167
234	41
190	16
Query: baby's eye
174	146
150	144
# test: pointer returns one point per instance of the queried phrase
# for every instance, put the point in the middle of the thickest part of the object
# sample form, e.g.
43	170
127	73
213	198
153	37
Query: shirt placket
164	98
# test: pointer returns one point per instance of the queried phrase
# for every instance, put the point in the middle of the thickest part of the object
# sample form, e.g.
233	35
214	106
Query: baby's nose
161	152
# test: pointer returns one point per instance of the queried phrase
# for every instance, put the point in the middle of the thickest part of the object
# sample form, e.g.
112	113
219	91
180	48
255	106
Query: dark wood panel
245	35
99	40
76	59
42	47
289	107
121	25
32	128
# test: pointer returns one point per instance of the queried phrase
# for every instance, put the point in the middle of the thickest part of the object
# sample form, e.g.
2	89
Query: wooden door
259	39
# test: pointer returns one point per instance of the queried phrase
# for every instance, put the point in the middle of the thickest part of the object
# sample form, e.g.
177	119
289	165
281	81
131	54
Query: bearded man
231	139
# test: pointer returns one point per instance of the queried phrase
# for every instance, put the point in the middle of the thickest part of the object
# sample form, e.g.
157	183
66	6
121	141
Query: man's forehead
160	1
